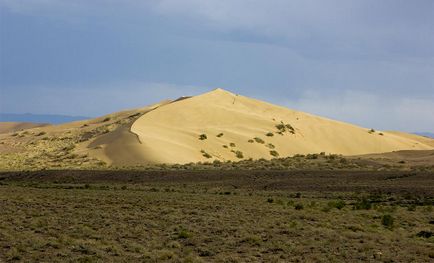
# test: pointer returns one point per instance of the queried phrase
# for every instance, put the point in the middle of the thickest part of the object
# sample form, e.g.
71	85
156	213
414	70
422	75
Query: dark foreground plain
217	216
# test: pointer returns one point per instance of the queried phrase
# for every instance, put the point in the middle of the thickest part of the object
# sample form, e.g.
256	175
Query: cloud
369	110
94	100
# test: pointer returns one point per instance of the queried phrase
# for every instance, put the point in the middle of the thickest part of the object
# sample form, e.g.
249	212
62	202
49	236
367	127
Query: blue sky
367	62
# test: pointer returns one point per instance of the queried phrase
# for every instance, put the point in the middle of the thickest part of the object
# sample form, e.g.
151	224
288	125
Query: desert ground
217	177
217	216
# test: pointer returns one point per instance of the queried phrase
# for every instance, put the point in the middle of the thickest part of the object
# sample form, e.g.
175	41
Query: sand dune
170	134
6	127
235	127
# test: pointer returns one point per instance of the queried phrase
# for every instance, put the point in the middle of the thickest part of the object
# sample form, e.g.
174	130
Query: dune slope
237	127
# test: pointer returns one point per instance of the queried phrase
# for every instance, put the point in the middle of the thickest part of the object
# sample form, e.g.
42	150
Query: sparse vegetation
259	140
282	128
58	215
205	154
387	221
274	153
239	154
270	145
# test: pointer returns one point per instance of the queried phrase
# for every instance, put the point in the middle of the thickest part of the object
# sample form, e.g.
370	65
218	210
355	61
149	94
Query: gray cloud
369	62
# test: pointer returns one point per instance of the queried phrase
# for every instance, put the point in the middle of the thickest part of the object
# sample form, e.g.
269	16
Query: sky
367	62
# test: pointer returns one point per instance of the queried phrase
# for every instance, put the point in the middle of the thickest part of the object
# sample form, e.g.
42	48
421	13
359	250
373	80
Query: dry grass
209	220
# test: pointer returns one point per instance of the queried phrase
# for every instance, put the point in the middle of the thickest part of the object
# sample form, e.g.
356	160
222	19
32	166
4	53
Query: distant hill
426	134
39	118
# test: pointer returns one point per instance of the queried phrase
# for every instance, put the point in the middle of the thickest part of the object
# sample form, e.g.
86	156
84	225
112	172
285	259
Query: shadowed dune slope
237	127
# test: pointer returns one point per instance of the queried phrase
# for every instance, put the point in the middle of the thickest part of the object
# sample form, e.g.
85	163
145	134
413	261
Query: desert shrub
14	134
251	141
270	200
41	133
425	234
387	221
371	131
312	156
259	140
106	119
338	204
280	126
363	204
270	145
274	153
205	154
298	207
232	144
381	134
239	154
220	135
183	234
225	146
269	134
203	137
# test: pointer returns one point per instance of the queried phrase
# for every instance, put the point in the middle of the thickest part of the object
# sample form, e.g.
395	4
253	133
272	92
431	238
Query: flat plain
217	216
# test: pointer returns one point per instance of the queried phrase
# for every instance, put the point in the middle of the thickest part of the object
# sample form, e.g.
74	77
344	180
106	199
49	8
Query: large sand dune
170	134
235	127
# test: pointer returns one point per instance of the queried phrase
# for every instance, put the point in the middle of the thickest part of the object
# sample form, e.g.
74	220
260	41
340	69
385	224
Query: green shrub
363	204
274	153
387	221
281	127
183	234
239	154
259	140
270	145
205	154
203	137
298	207
338	204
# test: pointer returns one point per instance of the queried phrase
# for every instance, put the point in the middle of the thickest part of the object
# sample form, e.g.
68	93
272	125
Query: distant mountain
39	118
426	134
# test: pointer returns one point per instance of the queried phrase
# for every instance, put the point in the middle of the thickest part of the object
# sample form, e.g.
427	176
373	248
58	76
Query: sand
6	127
170	134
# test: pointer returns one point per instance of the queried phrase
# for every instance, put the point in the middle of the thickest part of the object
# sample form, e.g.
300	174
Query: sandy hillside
217	125
237	127
6	127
